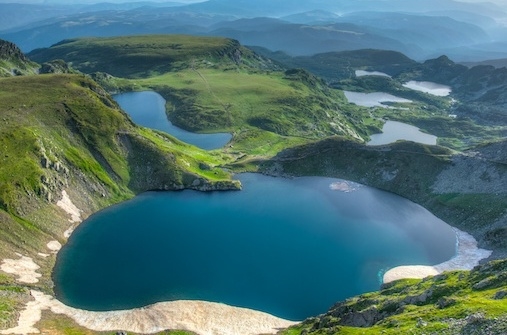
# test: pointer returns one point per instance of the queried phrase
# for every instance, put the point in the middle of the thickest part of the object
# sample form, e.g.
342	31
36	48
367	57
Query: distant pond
376	99
393	131
363	73
429	87
289	247
148	109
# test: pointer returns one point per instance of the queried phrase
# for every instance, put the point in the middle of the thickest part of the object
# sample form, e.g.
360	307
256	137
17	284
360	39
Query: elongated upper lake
148	109
289	247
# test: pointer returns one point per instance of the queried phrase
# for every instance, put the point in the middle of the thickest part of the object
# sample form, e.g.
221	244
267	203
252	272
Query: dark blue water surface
289	247
148	109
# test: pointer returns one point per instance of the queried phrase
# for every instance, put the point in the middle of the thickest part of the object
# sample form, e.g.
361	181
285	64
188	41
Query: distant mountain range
421	30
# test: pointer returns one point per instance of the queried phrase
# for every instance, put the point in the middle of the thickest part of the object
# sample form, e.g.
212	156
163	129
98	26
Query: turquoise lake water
289	247
147	109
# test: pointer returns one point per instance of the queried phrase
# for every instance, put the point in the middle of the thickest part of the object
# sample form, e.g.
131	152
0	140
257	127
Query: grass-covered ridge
137	56
452	303
215	84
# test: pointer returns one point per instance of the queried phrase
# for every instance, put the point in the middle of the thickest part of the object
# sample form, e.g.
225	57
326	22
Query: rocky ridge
13	62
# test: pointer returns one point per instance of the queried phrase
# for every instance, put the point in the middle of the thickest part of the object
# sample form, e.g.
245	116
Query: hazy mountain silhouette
465	31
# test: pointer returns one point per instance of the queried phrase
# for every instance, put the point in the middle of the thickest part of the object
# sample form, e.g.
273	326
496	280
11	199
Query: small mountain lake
376	99
393	131
362	73
147	109
429	87
289	247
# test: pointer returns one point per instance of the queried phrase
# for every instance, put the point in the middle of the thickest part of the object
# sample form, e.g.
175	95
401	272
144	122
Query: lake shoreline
202	317
468	255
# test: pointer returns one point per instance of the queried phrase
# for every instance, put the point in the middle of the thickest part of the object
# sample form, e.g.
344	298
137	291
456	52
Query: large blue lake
289	247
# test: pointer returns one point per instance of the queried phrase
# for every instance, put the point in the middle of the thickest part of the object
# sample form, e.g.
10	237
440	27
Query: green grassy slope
452	303
66	125
65	133
215	84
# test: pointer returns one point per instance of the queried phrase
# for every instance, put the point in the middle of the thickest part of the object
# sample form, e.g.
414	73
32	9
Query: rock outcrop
9	51
13	62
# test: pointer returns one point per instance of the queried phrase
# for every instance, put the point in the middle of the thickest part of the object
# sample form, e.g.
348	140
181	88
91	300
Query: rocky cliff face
9	51
13	62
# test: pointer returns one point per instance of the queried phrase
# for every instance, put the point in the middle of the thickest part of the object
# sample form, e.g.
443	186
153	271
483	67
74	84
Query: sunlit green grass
453	296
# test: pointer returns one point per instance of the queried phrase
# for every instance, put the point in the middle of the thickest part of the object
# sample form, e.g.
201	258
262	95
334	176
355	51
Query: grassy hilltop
64	132
215	84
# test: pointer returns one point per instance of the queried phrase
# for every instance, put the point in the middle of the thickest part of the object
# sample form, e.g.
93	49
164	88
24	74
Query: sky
498	2
90	1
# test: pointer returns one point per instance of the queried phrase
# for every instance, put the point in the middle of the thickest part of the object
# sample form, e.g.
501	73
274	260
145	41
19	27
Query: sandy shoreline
201	317
467	257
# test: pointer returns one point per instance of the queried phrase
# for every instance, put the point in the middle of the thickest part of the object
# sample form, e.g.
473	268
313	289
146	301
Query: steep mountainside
13	62
67	134
467	190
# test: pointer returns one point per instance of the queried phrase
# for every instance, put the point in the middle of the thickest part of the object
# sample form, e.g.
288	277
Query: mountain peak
10	51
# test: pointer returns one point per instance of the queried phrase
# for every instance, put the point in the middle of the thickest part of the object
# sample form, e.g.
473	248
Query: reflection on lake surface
394	131
361	73
148	109
289	247
429	87
376	99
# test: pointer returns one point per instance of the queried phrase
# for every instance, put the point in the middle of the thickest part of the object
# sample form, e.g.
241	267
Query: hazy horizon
500	3
90	2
